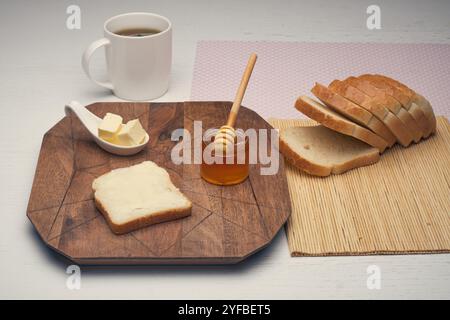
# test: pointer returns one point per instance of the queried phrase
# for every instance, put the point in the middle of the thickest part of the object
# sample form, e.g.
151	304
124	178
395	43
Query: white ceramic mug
138	67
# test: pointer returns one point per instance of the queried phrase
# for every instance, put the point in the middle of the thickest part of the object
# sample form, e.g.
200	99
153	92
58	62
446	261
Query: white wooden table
40	71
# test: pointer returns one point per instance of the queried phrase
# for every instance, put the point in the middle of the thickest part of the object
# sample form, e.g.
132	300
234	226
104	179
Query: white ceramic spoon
91	123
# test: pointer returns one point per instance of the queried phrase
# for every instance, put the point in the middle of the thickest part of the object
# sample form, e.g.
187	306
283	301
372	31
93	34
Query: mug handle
87	57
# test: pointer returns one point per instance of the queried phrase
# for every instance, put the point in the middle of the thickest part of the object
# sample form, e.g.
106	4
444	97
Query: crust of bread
390	102
142	222
392	122
405	98
427	109
319	170
416	109
337	123
421	102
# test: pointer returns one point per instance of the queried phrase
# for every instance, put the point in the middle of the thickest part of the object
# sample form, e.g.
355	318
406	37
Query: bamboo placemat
399	205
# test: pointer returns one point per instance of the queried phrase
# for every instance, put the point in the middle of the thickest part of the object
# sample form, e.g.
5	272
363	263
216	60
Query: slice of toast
404	98
334	121
353	112
370	104
389	102
420	101
138	196
320	151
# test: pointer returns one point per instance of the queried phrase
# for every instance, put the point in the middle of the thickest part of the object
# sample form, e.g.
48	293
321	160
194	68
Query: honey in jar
228	167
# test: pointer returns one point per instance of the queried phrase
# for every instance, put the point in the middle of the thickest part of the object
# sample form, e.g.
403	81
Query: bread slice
420	101
353	111
370	104
320	151
404	98
389	102
137	196
336	122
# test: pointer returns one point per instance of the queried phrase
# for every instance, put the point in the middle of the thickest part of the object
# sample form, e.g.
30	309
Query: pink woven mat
285	70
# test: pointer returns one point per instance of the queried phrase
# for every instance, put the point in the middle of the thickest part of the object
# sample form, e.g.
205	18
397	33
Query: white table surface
40	71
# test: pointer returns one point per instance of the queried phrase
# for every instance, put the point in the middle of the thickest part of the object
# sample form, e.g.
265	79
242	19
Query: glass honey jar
227	167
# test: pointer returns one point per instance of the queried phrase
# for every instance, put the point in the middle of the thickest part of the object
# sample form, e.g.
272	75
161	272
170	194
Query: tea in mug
137	32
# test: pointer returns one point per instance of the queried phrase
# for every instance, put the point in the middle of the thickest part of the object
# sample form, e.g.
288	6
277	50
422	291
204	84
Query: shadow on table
59	261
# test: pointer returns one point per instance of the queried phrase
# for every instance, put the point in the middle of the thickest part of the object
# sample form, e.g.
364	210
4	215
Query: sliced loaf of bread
137	196
358	97
389	102
420	101
320	151
334	121
405	100
359	118
353	112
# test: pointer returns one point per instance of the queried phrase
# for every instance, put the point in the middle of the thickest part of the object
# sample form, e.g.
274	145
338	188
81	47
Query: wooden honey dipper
226	135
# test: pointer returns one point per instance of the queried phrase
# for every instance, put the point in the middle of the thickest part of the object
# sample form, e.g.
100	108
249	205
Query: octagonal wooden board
227	223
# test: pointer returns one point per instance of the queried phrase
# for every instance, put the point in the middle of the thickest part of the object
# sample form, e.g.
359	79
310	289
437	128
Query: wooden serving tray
227	223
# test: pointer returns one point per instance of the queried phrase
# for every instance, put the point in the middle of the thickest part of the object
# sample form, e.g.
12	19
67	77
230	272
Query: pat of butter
112	130
131	134
110	127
